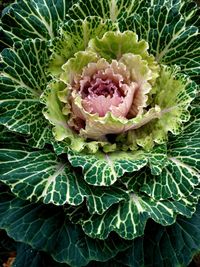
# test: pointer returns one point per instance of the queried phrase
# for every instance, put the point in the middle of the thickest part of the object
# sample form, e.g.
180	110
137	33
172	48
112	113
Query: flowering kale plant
100	132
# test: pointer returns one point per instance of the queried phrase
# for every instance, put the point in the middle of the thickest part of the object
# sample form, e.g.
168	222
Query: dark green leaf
22	82
171	29
28	257
46	227
33	19
41	175
168	246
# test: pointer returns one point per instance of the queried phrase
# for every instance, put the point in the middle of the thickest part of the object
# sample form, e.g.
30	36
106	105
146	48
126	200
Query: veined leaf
179	178
33	19
161	246
41	175
22	82
46	228
181	174
107	9
129	218
168	30
105	168
172	192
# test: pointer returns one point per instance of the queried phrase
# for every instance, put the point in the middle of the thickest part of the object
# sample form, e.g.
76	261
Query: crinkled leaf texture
125	209
22	81
69	195
167	110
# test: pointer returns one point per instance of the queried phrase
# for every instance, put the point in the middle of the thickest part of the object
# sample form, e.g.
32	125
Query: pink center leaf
105	90
102	88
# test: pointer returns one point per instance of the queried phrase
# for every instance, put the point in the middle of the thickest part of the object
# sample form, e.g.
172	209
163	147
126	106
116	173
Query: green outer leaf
173	245
175	188
106	9
45	227
103	169
33	19
38	175
41	175
22	81
129	218
28	257
99	200
177	180
157	159
172	40
181	174
133	256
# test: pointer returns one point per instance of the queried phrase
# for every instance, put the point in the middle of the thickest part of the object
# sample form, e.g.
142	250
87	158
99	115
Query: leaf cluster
69	208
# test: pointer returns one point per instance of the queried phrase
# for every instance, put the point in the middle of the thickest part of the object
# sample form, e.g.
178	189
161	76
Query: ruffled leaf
103	169
179	174
173	93
74	36
173	191
123	43
129	218
62	132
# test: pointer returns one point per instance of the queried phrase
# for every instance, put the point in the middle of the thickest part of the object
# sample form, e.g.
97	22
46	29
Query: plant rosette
99	111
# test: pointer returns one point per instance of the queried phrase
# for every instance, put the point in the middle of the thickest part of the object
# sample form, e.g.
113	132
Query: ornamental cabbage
109	90
99	120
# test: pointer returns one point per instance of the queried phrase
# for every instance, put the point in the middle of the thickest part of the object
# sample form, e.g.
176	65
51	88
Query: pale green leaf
173	93
74	36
